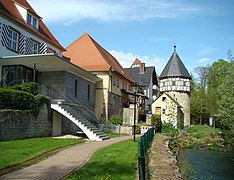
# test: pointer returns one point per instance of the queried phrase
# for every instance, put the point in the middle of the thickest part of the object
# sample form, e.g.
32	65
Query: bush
30	87
156	122
17	100
116	119
169	130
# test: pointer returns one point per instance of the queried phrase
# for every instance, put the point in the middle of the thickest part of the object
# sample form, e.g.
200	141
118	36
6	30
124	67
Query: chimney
142	68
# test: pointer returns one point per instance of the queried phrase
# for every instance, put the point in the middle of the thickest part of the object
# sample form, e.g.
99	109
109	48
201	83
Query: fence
142	150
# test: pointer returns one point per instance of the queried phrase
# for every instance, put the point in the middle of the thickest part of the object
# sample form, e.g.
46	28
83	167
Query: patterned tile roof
175	68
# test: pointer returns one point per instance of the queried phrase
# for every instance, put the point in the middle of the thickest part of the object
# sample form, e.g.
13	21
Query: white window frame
13	40
32	20
33	45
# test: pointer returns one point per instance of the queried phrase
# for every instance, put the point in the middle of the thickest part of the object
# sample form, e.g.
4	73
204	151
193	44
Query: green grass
118	161
112	135
18	151
201	131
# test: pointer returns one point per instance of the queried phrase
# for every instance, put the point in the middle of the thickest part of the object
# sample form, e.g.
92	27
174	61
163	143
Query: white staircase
87	126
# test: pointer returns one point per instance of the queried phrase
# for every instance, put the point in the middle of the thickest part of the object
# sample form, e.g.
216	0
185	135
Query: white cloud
70	11
204	60
206	51
126	60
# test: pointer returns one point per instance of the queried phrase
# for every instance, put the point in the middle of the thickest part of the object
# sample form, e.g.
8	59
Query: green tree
201	89
216	75
226	106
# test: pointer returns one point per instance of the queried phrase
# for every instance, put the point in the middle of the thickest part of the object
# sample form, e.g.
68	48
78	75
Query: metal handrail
69	102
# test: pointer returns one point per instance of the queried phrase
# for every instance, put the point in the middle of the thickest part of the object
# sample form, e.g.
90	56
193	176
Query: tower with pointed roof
175	81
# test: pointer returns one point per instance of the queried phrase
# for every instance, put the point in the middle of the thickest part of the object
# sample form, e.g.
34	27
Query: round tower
175	81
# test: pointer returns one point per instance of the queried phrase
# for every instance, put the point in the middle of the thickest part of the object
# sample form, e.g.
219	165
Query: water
206	164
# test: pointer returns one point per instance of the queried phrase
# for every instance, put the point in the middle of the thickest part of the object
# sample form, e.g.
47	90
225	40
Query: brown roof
9	9
89	55
136	62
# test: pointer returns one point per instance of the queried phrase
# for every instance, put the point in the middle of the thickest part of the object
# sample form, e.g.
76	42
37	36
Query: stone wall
21	125
68	127
119	129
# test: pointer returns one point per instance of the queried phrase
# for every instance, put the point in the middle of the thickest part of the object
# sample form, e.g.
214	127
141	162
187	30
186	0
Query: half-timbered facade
175	82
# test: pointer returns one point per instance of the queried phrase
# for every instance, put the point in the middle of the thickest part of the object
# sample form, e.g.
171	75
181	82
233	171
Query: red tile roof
136	62
8	8
89	55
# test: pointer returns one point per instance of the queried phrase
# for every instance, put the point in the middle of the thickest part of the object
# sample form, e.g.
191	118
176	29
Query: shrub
30	87
15	99
169	130
116	119
156	122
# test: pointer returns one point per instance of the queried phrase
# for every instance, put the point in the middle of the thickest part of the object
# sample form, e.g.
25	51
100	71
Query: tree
226	106
201	90
217	74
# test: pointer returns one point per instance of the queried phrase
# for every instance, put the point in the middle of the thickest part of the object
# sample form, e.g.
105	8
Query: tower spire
174	48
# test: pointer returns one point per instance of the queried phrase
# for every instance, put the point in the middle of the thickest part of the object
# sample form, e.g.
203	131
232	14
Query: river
206	164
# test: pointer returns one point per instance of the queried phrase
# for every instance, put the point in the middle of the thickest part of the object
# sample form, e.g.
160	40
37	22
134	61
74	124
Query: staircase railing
77	105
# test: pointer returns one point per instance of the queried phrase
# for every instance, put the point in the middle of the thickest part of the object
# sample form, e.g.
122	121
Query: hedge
15	99
30	87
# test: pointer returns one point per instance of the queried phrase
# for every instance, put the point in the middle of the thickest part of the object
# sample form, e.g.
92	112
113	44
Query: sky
203	31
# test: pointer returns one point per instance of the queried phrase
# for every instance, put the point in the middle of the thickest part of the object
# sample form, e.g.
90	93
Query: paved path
162	163
63	163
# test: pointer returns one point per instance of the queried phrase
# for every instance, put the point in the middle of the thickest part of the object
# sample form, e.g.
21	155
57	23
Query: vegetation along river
207	164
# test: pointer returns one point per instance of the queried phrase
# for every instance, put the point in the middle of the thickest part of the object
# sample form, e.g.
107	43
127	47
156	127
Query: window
88	97
29	18
185	84
163	111
117	82
32	20
173	83
13	41
75	90
164	98
17	74
34	47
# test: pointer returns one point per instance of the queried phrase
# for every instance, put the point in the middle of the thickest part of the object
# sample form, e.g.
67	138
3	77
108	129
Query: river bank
200	150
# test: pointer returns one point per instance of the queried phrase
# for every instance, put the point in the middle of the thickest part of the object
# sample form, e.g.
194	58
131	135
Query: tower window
173	83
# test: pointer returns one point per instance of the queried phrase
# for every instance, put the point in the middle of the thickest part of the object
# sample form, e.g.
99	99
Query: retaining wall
21	125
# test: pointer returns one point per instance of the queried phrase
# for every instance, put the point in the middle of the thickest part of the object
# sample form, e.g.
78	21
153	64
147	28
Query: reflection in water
206	164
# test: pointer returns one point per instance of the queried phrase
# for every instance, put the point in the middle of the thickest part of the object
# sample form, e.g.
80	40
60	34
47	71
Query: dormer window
32	20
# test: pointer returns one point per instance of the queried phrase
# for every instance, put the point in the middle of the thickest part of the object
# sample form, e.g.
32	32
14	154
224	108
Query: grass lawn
18	151
112	135
118	161
201	131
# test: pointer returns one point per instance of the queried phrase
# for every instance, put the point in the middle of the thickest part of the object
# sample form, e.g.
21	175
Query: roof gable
171	98
175	68
88	54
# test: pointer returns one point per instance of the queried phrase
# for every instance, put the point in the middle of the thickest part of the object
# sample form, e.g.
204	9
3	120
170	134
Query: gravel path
162	164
